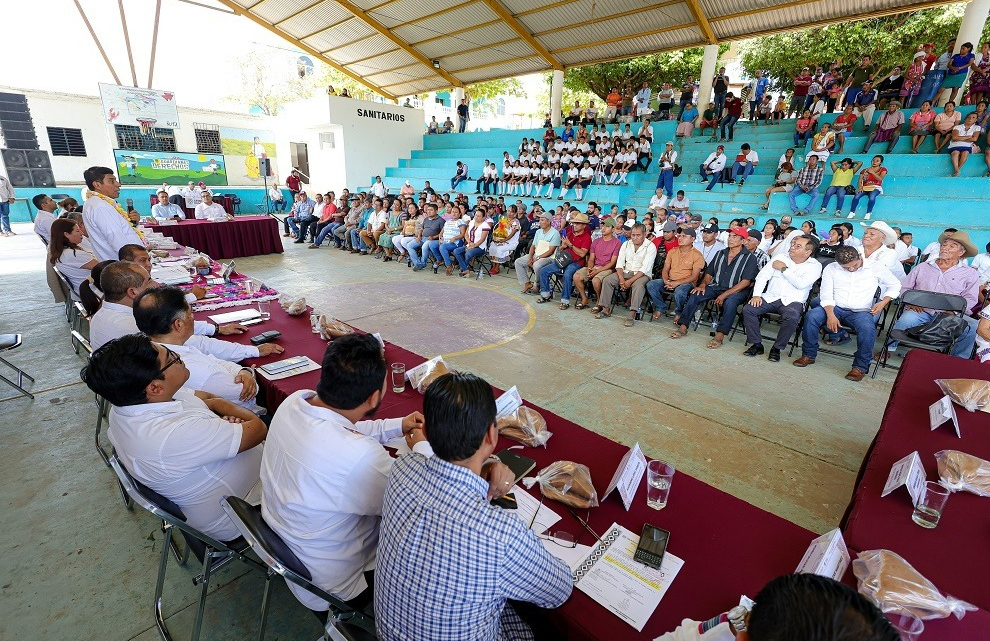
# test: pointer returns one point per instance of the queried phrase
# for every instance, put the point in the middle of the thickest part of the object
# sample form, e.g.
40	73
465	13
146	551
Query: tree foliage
891	40
673	67
495	89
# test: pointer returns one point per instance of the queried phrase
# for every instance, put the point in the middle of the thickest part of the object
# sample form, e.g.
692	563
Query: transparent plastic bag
567	482
893	585
971	393
959	471
293	306
431	371
525	425
331	328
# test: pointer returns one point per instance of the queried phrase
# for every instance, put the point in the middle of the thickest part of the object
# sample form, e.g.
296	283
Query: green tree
890	41
673	67
495	88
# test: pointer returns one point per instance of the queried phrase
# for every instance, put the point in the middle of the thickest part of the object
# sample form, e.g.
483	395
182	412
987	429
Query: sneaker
821	212
838	213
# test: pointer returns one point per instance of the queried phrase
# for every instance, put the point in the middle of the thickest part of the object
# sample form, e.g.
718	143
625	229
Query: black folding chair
776	319
7	343
212	553
926	300
343	622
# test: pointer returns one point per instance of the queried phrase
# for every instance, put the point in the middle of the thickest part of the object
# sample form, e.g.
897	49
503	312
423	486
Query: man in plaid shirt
806	182
448	560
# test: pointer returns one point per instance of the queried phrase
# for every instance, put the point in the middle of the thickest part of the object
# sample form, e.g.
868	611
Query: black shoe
774	355
754	350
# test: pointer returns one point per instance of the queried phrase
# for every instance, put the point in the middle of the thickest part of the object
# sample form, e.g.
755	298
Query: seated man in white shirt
192	194
164	210
782	612
188	446
164	315
848	298
324	470
209	210
658	204
782	287
45	217
633	270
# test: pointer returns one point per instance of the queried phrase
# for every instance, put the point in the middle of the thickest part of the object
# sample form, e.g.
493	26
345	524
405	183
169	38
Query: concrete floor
75	564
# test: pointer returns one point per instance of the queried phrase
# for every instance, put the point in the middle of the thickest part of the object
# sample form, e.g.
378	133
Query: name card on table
907	471
508	402
628	475
381	341
416	375
826	556
941	411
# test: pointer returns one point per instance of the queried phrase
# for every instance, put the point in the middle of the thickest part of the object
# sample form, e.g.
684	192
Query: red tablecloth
243	236
225	201
955	556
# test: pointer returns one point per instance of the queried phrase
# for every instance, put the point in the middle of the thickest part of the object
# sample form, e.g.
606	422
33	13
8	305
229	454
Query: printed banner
145	108
244	148
156	167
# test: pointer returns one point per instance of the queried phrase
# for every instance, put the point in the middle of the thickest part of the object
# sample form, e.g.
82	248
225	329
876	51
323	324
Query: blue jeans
730	122
464	256
328	231
730	307
456	180
964	344
739	169
799	189
446	249
719	104
279	205
461	124
427	248
851	94
412	248
666	181
681	292
800	139
840	197
568	277
714	178
4	217
863	323
356	241
871	200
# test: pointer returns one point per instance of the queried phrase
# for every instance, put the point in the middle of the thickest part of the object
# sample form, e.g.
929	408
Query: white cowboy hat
890	236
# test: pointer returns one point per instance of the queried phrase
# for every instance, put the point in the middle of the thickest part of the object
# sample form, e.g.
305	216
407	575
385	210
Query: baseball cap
608	222
546	215
689	231
710	229
669	226
669	142
629	224
755	235
739	231
696	217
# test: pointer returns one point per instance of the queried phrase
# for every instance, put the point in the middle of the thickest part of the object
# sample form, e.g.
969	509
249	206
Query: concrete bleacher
920	193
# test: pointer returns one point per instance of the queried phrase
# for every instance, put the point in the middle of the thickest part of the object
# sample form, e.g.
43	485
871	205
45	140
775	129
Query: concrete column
708	63
456	96
557	96
973	22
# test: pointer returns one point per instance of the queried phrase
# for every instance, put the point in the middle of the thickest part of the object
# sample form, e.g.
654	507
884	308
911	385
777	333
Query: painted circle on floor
429	318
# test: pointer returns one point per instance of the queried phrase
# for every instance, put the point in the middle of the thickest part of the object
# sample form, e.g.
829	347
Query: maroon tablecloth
955	556
243	236
225	201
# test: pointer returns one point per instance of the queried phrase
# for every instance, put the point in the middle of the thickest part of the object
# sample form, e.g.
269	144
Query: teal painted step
964	109
510	139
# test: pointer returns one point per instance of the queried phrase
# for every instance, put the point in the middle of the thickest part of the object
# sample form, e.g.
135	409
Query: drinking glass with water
659	476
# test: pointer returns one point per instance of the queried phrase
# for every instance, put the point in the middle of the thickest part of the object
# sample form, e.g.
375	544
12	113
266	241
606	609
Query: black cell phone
507	502
652	545
265	337
520	465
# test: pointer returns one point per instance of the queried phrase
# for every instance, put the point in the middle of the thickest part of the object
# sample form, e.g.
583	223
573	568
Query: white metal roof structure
390	45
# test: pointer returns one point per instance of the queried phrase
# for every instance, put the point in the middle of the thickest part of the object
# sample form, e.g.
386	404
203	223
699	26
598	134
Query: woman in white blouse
74	262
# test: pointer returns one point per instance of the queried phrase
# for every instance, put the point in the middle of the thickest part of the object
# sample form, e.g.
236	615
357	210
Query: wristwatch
737	618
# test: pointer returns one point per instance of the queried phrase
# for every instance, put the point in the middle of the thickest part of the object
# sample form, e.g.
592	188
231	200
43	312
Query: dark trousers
790	316
728	314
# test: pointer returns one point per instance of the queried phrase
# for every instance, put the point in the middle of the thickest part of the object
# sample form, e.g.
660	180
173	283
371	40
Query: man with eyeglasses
189	446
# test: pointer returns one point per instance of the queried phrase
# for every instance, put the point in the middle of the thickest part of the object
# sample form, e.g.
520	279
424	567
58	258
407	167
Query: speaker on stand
28	168
265	167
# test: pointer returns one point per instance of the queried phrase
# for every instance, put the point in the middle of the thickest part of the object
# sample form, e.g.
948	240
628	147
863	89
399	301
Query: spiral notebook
624	586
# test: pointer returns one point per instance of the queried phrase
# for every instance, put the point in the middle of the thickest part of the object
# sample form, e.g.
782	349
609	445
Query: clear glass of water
929	510
659	476
398	377
908	626
265	309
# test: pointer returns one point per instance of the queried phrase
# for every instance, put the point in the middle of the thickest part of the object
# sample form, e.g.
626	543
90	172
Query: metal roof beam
326	28
435	13
523	33
298	13
546	7
631	12
239	10
702	21
352	42
777	7
496	63
880	13
631	36
360	60
457	32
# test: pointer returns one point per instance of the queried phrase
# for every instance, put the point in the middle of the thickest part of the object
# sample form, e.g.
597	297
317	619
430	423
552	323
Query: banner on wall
156	167
145	108
243	148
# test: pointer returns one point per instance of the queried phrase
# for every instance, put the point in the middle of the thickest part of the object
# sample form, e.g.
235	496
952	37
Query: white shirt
188	454
207	373
637	260
274	194
173	190
224	350
378	189
43	224
166	211
688	631
981	263
6	190
852	241
71	262
667	159
751	157
789	286
108	230
210	212
886	257
193	196
323	481
708	252
680	204
657	202
587	173
715	163
905	251
114	320
854	291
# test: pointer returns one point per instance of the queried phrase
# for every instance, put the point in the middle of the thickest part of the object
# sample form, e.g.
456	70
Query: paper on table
572	557
526	507
508	402
826	556
628	475
941	411
624	586
233	317
301	365
910	472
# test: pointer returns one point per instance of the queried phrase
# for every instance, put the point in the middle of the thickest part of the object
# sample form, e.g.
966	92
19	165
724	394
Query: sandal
527	288
580	306
565	306
542	299
450	269
656	316
629	322
465	274
842	341
714	343
603	314
596	309
680	333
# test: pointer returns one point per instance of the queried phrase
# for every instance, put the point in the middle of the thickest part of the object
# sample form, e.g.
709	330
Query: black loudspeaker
28	168
265	166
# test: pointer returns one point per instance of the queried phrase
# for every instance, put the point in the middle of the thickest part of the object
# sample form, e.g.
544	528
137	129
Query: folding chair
775	318
879	328
79	317
7	343
63	285
212	553
926	300
343	622
484	261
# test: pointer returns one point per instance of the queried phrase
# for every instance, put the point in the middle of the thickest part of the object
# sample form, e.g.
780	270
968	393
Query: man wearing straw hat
945	273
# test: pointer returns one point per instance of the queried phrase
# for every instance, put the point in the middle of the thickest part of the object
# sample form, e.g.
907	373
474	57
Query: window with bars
130	137
327	140
66	141
207	138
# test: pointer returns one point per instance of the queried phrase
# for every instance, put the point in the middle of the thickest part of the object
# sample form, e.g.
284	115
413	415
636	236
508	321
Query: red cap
739	231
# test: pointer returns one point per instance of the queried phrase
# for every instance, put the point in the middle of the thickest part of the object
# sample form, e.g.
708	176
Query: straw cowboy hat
889	235
962	238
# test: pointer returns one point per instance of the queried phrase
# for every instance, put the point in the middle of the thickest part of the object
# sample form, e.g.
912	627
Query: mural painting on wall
243	149
156	167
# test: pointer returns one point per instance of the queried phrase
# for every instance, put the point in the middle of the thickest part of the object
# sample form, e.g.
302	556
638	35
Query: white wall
370	136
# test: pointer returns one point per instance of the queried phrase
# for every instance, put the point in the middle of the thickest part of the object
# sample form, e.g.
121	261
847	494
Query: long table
242	236
225	201
955	556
